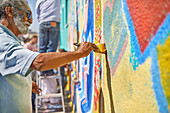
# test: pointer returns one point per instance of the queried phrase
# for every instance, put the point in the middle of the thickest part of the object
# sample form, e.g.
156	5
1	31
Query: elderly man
16	62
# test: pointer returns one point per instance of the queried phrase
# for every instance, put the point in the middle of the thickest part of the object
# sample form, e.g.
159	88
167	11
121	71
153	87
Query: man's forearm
51	60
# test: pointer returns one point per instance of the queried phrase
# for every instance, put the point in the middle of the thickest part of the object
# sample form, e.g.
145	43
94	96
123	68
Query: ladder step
50	95
53	95
58	112
52	77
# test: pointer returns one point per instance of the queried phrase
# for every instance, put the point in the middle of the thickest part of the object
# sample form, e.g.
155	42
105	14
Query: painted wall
64	9
86	88
133	77
136	34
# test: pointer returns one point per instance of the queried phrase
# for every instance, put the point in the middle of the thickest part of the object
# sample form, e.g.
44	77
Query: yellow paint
101	47
132	90
164	65
107	103
124	18
81	16
67	87
97	40
104	1
116	41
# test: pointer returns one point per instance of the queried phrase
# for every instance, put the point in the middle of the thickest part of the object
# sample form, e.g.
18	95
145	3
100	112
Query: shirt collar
10	33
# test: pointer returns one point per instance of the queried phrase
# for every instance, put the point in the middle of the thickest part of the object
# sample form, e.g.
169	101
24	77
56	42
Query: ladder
54	95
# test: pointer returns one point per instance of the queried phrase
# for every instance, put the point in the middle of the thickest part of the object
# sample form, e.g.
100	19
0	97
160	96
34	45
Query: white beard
22	27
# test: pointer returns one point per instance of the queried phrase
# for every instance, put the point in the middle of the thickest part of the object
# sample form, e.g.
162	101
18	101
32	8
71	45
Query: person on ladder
17	62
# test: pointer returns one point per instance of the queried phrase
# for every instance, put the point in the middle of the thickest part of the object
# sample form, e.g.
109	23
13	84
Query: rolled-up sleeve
37	9
14	58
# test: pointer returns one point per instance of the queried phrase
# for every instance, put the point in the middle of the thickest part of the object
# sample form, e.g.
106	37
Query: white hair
5	3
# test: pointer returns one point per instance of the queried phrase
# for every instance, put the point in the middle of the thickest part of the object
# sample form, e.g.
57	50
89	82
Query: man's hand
85	48
35	88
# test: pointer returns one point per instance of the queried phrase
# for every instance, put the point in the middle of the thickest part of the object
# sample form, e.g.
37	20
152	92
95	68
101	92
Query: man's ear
9	11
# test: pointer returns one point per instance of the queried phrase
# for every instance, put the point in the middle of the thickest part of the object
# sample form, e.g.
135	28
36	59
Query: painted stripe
163	30
157	86
120	57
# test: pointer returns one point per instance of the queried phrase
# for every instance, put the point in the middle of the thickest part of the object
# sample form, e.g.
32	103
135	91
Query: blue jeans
33	101
48	39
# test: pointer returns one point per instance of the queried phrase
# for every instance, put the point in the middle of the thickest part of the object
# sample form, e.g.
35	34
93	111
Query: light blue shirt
15	85
48	10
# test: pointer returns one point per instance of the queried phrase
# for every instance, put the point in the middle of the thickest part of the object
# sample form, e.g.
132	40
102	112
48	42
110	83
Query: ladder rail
40	96
61	89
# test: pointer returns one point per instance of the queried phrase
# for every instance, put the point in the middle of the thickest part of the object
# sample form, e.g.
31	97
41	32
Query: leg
53	41
43	37
44	40
54	35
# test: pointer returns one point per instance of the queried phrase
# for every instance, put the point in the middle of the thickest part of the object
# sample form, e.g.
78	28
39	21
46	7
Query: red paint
97	68
97	12
98	34
97	76
147	16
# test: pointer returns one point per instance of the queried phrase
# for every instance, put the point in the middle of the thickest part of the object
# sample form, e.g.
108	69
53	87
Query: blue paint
63	22
133	58
157	86
86	105
78	86
130	90
90	30
164	38
75	99
163	31
134	41
115	43
121	43
160	37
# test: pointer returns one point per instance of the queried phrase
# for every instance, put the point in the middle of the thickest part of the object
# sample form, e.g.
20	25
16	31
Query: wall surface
64	9
135	33
133	77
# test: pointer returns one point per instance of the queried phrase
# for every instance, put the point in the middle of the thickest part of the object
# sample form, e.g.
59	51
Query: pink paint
110	5
97	12
86	16
120	57
86	70
147	16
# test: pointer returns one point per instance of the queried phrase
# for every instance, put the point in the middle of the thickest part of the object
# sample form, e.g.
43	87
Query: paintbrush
97	48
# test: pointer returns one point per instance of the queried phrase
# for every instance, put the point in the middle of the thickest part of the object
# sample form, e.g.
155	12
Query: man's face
21	18
20	23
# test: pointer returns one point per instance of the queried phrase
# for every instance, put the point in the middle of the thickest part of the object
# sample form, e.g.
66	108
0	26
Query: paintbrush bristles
99	48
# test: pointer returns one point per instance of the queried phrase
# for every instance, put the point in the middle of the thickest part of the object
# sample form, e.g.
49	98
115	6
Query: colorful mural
72	38
86	64
133	76
98	65
135	28
64	23
89	69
